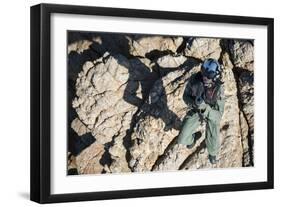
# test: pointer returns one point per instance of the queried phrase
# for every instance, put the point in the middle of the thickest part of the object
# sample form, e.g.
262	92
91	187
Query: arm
193	93
187	95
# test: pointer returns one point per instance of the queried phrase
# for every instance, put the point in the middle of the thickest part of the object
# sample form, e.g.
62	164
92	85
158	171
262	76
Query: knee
184	140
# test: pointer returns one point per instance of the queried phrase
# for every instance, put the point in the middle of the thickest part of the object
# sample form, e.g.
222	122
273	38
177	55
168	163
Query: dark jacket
195	89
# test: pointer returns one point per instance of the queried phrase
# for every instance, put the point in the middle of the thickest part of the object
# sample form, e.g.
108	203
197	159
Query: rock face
145	45
159	120
231	153
79	46
242	52
246	94
89	160
203	48
242	55
169	61
109	91
127	104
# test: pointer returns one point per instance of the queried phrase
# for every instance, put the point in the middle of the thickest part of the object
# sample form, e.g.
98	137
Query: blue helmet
211	69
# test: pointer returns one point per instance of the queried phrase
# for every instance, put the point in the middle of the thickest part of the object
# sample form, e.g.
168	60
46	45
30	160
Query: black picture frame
41	96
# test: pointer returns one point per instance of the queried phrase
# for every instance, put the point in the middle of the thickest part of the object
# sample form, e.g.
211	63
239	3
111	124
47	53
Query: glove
198	100
200	103
207	110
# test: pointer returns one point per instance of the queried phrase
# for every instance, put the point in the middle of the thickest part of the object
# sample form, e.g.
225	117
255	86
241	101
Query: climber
204	94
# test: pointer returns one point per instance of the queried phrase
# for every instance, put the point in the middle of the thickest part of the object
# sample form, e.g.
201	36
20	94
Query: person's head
210	70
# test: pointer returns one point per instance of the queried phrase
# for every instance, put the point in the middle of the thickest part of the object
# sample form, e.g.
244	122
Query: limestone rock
111	43
143	45
246	99
246	95
79	46
203	48
71	164
78	127
242	54
247	160
88	161
176	155
109	91
169	61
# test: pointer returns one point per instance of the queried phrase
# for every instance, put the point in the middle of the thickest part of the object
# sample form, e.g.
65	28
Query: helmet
211	69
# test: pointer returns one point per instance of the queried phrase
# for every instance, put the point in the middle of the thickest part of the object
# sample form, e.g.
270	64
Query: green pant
192	122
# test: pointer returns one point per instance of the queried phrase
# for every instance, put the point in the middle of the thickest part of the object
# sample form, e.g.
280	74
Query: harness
211	95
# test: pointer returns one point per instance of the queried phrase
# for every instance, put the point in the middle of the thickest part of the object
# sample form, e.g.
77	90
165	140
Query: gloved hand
207	110
198	100
200	103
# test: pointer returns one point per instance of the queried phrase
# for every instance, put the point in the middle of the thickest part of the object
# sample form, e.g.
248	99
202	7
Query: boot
213	159
191	145
195	136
